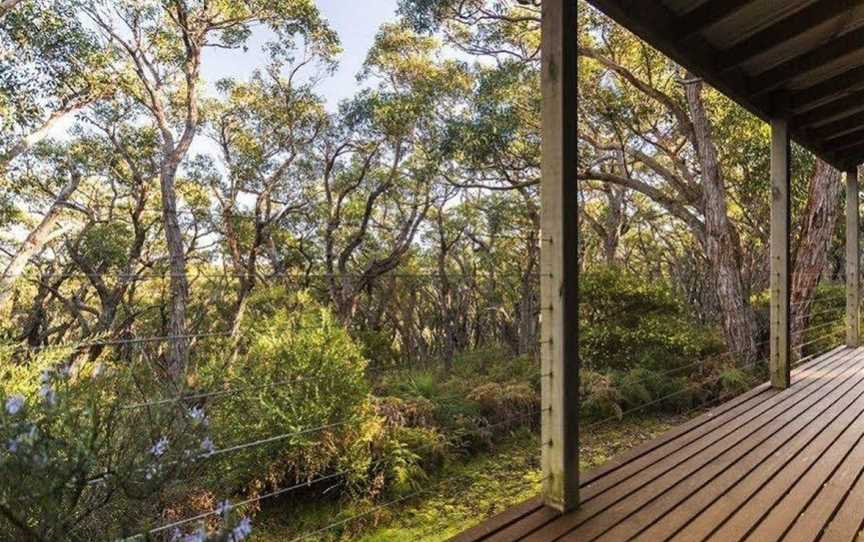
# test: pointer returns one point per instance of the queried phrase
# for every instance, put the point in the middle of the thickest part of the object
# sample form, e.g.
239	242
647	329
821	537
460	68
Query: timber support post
852	259
559	260
779	267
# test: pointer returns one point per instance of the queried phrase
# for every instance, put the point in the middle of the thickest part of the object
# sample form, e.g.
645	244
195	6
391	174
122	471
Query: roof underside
802	60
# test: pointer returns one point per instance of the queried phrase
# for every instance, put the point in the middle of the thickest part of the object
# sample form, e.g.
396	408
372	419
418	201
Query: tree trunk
811	257
527	330
722	245
27	142
37	238
178	345
614	222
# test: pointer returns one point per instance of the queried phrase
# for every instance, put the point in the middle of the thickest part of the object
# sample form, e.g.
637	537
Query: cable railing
239	389
328	477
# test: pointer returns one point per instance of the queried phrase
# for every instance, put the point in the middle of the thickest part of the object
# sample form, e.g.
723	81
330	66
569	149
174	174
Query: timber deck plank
767	465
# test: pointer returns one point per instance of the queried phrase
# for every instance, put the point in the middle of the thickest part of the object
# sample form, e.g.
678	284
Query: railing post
852	258
559	282
779	266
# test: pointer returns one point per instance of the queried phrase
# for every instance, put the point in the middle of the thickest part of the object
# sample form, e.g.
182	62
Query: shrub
399	412
306	395
497	365
610	395
599	397
404	457
628	321
503	403
77	461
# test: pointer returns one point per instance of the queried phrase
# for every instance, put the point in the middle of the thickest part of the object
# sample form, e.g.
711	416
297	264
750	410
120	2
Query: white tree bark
36	239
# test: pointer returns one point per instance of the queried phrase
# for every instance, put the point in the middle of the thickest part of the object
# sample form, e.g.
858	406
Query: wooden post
559	261
779	266
852	259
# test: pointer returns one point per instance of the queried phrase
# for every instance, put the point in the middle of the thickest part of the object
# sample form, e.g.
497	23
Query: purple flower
242	530
207	445
160	447
197	536
197	413
14	404
47	393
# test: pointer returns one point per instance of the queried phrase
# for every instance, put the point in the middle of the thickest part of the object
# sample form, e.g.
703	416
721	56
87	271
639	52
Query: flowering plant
78	459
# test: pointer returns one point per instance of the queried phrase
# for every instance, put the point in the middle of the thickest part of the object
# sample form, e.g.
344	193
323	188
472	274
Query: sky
355	21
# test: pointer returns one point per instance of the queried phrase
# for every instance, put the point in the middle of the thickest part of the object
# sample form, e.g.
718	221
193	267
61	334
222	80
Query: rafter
812	60
782	31
708	14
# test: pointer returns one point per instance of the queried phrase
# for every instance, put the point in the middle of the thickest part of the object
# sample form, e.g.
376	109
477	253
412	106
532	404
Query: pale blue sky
356	22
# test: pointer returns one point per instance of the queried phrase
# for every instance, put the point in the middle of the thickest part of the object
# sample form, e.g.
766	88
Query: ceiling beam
851	156
658	25
838	128
851	139
836	87
782	31
814	59
708	14
838	109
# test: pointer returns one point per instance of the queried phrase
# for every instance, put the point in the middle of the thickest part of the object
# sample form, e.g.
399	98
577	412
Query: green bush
78	460
629	321
306	393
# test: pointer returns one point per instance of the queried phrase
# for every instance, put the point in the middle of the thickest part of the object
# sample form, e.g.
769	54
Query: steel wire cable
315	481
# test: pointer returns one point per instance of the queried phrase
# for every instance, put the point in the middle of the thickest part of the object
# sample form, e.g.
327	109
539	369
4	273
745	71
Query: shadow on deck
768	465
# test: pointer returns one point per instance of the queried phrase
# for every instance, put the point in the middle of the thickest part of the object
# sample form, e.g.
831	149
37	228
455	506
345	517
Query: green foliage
734	381
308	385
77	463
611	394
497	364
377	347
629	321
104	246
505	403
51	60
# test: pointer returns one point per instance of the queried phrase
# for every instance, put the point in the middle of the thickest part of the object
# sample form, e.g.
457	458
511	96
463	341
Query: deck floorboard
767	465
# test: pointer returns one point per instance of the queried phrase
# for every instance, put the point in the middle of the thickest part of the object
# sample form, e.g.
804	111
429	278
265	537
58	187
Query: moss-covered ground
462	495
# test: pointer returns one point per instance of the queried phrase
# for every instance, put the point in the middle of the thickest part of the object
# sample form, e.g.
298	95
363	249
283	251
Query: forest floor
461	495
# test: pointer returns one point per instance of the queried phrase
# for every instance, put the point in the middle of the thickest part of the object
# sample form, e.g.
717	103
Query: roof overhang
800	60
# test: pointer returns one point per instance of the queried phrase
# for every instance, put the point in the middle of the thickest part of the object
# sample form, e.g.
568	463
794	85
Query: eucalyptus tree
266	130
649	127
110	234
161	45
494	137
51	67
650	137
381	161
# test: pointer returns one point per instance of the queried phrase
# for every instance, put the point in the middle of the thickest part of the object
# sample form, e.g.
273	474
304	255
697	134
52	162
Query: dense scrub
94	440
93	444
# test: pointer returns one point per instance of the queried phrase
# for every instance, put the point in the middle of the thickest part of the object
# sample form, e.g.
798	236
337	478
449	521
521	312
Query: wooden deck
768	465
